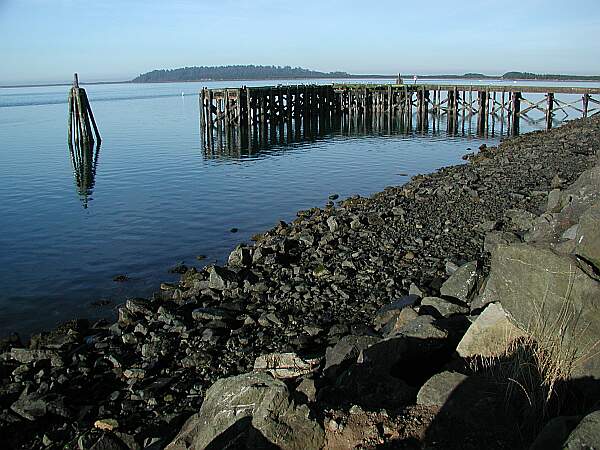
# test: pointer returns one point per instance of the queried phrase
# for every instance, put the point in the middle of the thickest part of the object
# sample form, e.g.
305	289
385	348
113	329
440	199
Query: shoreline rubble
381	288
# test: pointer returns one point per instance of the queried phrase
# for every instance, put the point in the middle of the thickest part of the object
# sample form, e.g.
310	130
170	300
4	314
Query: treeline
238	72
511	76
537	76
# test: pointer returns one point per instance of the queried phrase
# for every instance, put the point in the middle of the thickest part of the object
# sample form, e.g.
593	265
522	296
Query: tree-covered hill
238	72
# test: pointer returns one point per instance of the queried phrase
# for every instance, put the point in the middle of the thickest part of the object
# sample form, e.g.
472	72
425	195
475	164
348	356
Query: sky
110	40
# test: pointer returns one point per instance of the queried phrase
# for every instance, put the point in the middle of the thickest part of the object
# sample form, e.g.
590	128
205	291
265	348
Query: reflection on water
242	142
84	160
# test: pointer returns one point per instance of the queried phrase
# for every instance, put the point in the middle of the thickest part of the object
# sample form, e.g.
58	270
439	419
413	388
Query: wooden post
516	108
549	110
585	100
210	111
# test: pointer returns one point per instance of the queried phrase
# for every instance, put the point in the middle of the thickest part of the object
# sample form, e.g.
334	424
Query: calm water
154	196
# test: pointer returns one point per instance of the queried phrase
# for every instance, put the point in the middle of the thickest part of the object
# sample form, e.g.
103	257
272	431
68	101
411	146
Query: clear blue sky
48	40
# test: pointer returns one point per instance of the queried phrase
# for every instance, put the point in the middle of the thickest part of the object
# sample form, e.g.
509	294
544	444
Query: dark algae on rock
355	325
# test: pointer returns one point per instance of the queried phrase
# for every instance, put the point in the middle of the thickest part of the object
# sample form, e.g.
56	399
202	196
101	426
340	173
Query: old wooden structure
240	112
81	119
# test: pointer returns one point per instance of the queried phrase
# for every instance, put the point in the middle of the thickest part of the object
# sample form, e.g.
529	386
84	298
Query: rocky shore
381	322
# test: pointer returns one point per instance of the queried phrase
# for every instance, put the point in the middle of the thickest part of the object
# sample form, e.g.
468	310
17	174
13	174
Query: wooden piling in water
549	110
81	119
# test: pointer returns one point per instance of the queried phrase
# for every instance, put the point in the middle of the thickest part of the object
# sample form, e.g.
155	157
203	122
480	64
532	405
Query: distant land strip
252	72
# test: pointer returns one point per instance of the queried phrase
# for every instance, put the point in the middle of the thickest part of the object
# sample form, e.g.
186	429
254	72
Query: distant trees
537	76
237	72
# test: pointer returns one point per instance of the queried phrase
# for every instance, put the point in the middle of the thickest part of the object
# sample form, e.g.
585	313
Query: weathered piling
81	118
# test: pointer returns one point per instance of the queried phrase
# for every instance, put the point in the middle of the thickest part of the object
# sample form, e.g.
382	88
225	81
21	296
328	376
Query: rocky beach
402	320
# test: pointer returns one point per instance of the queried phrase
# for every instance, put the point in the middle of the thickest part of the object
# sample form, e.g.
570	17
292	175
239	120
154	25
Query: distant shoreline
351	77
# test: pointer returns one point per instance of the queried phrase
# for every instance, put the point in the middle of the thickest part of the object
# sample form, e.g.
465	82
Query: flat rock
26	356
212	314
423	327
285	365
490	334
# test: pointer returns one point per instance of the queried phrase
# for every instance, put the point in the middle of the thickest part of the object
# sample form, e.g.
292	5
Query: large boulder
550	297
490	335
586	435
253	410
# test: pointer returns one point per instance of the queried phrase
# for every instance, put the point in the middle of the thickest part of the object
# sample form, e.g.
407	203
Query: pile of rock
418	350
374	304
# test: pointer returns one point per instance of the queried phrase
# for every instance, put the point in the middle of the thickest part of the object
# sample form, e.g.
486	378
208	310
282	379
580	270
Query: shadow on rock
485	411
241	436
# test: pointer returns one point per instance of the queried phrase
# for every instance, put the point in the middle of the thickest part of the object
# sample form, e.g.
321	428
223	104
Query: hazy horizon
45	42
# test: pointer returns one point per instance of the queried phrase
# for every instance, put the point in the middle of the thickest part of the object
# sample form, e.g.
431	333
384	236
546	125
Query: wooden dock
238	113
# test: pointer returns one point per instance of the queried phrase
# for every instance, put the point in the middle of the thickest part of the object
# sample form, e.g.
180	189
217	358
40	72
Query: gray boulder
438	389
461	283
490	334
587	434
549	296
247	409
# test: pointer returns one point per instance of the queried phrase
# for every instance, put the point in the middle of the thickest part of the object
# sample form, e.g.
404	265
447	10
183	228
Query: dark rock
345	352
461	283
387	312
26	356
221	278
441	307
439	388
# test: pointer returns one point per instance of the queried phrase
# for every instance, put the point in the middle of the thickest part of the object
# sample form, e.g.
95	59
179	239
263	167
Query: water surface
153	196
